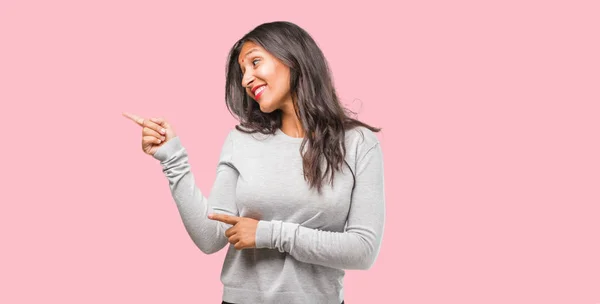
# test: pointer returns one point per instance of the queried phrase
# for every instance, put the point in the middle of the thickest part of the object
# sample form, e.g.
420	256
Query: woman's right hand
155	132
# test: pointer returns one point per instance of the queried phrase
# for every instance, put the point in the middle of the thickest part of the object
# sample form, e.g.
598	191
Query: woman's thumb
161	121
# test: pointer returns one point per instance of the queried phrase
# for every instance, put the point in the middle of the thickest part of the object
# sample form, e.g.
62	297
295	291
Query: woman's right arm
193	206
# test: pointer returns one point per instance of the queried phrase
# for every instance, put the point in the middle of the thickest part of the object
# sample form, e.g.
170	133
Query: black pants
233	303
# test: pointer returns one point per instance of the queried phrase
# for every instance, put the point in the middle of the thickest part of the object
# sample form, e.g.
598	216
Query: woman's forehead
247	48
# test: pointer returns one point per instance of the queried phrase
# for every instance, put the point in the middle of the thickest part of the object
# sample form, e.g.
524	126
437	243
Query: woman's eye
254	61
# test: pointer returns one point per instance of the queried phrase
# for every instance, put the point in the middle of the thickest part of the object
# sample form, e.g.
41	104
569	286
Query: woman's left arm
357	247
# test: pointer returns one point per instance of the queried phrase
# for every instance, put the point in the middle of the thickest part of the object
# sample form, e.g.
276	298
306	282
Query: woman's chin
264	107
266	110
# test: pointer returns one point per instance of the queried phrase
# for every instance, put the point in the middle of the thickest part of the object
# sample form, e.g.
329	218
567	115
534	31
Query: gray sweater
304	241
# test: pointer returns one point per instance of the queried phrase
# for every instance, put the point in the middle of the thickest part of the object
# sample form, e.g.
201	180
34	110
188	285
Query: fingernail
162	131
210	216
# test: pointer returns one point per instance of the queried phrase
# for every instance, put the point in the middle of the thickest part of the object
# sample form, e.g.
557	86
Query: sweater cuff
264	235
167	150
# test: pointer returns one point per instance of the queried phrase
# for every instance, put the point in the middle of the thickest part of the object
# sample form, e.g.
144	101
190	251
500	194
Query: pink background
491	143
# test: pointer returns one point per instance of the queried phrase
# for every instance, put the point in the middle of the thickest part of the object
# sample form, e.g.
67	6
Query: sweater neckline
287	137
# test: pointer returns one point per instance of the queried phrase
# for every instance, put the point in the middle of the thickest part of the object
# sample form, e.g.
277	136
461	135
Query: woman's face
265	78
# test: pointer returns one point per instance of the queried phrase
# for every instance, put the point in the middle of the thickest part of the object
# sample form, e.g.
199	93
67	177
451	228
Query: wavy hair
324	120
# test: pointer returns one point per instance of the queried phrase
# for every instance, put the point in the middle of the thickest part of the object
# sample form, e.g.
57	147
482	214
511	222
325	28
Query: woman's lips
259	91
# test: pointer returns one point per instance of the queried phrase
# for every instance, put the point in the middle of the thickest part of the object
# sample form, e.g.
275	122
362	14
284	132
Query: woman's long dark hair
316	103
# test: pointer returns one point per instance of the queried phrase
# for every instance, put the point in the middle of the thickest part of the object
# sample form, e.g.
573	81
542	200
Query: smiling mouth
259	91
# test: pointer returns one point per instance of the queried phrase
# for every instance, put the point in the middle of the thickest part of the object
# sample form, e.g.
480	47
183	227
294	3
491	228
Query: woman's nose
247	79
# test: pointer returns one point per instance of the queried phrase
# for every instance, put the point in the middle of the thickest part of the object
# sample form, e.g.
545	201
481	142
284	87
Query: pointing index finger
228	219
135	118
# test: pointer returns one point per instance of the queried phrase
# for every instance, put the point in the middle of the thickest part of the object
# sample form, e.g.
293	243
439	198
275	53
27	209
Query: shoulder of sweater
362	138
234	134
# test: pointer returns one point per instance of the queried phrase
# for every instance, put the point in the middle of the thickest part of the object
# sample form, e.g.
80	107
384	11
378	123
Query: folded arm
355	248
193	206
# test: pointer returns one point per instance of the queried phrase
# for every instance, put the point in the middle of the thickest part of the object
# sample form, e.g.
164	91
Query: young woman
299	189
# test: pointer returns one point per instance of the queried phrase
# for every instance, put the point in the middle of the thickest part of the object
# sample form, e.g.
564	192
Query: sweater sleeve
193	206
355	248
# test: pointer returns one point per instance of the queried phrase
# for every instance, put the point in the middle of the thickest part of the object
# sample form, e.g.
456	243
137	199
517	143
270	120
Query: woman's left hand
243	233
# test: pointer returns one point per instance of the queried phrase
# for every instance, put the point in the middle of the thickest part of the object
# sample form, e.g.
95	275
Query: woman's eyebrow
250	51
